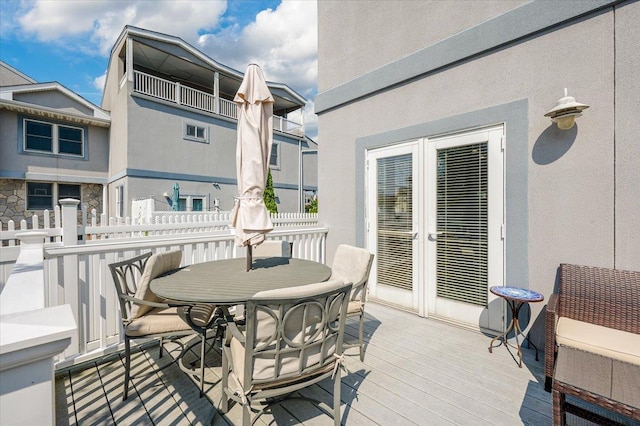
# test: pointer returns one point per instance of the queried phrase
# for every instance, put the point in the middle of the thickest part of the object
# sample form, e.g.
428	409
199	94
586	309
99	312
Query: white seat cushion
608	342
157	265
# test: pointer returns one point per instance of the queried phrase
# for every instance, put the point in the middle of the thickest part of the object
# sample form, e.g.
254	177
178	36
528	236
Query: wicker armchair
591	348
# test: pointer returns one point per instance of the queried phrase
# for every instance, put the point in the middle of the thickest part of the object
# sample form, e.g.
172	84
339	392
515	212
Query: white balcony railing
175	92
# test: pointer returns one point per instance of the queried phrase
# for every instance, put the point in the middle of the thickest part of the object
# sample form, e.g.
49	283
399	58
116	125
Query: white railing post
70	264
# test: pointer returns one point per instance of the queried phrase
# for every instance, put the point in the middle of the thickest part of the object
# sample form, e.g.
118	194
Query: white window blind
462	246
394	219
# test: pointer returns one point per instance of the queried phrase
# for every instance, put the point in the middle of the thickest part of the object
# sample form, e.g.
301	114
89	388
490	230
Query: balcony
180	94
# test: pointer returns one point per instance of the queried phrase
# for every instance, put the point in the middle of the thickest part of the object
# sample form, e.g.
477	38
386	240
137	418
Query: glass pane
39	196
197	205
191	130
462	248
182	204
273	161
395	221
69	191
38	136
69	140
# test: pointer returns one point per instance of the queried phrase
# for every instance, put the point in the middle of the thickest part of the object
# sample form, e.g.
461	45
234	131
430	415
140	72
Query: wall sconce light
216	185
565	112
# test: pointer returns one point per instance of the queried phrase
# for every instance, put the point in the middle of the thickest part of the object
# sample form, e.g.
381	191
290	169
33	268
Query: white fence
76	271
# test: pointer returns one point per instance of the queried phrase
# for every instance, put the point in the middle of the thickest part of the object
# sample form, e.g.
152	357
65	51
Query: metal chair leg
202	350
361	337
127	367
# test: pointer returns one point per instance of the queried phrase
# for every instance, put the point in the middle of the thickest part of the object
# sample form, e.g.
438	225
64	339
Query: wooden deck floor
416	372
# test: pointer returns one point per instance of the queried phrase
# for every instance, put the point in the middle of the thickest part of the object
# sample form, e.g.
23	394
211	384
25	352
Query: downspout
300	175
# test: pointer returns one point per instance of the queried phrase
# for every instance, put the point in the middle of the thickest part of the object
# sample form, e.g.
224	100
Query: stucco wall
581	197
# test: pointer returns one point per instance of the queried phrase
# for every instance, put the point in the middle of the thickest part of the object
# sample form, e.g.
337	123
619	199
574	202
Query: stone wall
13	202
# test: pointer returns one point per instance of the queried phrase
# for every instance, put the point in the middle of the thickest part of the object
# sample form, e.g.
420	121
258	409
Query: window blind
395	221
462	246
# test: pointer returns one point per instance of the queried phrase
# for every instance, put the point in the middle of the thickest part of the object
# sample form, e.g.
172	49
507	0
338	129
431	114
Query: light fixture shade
566	111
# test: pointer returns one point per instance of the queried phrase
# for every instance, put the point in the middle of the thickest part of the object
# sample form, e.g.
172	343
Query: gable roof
12	98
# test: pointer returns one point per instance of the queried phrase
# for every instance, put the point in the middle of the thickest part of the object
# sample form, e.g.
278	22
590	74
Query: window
197	205
69	191
274	161
195	133
39	196
119	201
53	138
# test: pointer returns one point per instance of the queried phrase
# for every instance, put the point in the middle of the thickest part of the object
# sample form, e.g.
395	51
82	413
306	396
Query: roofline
32	109
166	38
20	73
43	87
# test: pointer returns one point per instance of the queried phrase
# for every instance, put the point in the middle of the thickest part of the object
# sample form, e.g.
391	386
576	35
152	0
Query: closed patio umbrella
255	136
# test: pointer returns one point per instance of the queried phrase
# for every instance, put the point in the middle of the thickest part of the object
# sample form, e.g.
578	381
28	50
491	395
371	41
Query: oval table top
227	282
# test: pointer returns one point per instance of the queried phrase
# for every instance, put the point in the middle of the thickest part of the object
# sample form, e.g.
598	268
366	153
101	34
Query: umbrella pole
249	257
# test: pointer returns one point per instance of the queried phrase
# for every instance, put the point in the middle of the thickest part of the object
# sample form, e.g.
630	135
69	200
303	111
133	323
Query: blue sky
68	41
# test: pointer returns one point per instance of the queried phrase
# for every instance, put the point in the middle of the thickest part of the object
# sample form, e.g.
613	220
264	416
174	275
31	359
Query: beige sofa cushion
604	341
598	359
157	265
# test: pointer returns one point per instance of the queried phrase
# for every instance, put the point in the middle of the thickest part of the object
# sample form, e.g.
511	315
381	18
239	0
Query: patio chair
353	265
145	315
272	248
293	339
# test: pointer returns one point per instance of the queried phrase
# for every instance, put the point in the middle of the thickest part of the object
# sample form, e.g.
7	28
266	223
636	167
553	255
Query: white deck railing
76	272
175	92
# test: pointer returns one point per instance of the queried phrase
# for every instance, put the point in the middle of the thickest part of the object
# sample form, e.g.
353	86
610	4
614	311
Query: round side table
515	298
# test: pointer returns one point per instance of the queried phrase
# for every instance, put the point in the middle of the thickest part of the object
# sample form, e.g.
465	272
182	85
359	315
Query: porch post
70	264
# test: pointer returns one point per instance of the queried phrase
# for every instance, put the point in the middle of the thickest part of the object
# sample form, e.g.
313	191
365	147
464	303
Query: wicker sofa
592	346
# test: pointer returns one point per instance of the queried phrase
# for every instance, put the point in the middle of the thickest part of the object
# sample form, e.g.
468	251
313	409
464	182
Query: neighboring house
167	117
173	120
448	169
53	144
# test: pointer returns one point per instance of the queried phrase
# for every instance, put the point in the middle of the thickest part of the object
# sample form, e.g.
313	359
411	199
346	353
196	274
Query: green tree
312	206
270	196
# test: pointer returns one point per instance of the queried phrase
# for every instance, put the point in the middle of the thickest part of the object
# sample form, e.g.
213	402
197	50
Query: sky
69	41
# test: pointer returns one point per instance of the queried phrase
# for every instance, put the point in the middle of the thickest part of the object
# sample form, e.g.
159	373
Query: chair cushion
598	359
352	265
156	321
604	341
167	320
270	248
355	307
157	265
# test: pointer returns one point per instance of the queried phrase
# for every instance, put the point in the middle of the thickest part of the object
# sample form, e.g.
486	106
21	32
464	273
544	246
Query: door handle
434	235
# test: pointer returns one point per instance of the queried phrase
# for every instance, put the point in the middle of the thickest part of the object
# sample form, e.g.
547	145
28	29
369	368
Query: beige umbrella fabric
253	150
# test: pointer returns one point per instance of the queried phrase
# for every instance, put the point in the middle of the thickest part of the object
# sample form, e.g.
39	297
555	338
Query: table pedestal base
515	326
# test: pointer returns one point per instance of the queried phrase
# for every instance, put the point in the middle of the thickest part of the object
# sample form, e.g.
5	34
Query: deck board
416	371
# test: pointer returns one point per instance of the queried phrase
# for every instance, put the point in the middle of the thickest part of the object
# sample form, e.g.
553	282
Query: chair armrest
234	331
144	302
550	340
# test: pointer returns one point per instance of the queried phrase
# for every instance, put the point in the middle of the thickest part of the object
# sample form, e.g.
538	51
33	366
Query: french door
435	222
465	209
392	220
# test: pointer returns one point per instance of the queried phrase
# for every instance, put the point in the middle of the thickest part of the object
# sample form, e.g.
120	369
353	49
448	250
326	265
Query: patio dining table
227	282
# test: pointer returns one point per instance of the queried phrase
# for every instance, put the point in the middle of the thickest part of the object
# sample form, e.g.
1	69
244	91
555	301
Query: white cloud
99	81
103	21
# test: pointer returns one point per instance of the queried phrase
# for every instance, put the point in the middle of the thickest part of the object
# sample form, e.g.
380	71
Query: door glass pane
462	243
395	220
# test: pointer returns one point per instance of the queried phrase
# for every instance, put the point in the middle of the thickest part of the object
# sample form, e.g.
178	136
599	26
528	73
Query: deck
417	371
